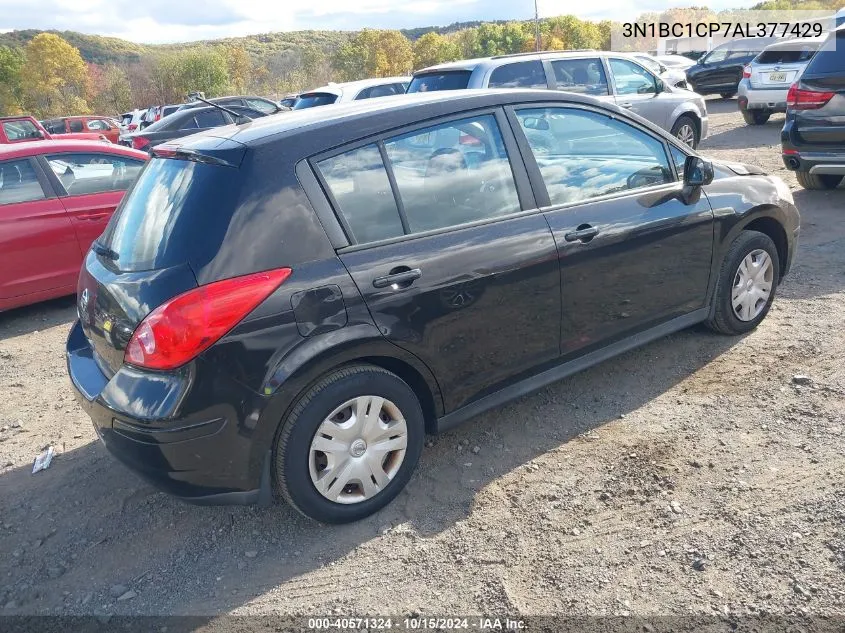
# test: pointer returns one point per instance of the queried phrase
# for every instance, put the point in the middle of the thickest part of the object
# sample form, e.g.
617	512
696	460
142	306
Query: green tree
53	77
174	74
374	53
11	63
433	48
109	90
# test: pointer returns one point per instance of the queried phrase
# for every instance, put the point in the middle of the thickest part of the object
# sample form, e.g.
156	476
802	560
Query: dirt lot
691	476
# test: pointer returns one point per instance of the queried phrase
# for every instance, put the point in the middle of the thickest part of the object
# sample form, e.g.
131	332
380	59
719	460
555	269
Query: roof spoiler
212	150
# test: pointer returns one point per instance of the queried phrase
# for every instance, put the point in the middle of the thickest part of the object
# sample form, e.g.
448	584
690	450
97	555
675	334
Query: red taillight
746	72
139	142
183	327
801	99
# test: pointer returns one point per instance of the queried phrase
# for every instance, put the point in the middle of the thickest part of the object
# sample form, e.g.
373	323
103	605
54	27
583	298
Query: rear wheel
747	282
756	117
349	445
818	181
686	130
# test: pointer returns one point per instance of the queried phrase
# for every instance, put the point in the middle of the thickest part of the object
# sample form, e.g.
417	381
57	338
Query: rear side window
386	90
157	224
831	56
210	118
314	99
261	105
432	82
519	75
360	186
82	174
583	76
75	125
18	182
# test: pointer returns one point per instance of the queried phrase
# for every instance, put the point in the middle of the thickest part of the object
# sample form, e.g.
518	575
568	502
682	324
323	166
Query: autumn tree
374	53
433	48
53	77
11	63
109	91
239	67
174	74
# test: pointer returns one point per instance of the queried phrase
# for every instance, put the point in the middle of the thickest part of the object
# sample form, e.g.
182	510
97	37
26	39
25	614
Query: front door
454	268
38	248
636	90
632	254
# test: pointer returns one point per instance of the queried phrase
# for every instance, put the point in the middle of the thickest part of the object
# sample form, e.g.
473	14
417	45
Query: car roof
501	60
800	41
34	148
337	88
356	119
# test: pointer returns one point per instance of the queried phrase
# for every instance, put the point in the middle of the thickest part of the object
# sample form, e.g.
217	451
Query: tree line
44	74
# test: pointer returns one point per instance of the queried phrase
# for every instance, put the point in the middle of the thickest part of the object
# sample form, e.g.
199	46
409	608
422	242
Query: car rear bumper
772	99
814	159
192	447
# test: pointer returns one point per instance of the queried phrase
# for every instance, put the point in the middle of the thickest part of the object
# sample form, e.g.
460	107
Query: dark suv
813	137
292	303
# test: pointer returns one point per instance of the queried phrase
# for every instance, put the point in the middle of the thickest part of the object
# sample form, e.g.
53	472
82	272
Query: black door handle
584	233
400	277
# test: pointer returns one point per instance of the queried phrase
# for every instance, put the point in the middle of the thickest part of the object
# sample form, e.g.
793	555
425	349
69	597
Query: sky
160	21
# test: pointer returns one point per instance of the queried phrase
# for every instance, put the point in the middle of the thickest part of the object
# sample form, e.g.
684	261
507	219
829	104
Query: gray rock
675	507
801	379
251	553
10	605
127	596
118	590
699	564
476	450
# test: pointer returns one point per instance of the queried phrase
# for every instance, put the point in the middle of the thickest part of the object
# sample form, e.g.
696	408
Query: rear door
453	264
632	254
525	74
37	242
586	76
90	186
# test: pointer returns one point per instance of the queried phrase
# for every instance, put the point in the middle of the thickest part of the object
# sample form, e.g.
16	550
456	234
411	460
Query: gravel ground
697	475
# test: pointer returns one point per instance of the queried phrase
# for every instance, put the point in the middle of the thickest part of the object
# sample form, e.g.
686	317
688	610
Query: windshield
158	222
314	99
430	82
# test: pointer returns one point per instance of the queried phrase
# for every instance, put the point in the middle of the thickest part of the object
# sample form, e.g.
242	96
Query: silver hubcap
752	285
686	134
358	449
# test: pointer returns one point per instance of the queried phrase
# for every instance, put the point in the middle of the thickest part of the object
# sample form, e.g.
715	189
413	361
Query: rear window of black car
160	219
314	99
830	58
431	82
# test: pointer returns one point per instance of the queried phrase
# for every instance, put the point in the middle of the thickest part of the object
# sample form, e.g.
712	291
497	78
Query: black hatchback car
813	136
292	303
720	70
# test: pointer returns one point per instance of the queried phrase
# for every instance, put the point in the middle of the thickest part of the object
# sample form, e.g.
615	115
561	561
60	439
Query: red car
56	197
84	124
24	128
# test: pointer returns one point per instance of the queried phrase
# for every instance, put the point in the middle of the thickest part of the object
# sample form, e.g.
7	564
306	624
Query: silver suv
767	78
614	77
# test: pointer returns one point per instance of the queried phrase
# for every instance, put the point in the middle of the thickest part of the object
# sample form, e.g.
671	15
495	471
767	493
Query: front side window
716	56
22	130
584	76
359	184
82	174
453	173
631	78
519	75
97	125
18	182
583	154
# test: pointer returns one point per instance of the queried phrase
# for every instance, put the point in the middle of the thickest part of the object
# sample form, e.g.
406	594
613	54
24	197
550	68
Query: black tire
726	95
291	452
687	120
724	320
818	181
756	117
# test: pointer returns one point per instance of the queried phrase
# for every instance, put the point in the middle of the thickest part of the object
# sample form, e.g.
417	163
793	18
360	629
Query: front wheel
756	117
818	181
349	445
686	131
726	95
747	282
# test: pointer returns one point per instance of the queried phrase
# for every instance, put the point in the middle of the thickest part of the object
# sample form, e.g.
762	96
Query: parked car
611	77
767	78
352	91
129	121
55	199
184	123
265	106
675	61
672	76
157	113
720	70
23	128
74	124
813	136
289	100
370	272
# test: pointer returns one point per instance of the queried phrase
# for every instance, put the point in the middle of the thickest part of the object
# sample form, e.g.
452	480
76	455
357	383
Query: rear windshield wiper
105	251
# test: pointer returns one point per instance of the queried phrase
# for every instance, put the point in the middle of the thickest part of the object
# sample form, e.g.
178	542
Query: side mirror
697	172
659	85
